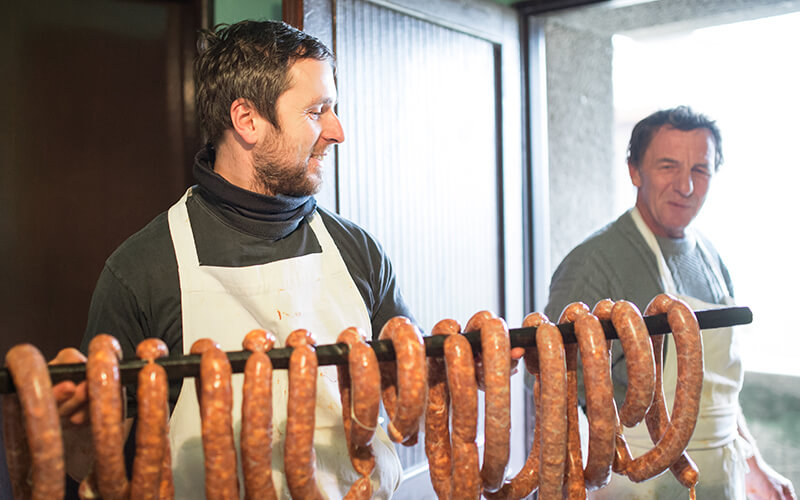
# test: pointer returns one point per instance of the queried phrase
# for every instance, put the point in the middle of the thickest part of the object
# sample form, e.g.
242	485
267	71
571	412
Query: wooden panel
99	145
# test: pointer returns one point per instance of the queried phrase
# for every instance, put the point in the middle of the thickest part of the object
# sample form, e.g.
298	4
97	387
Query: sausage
552	411
437	418
166	489
639	362
689	350
37	407
360	397
360	490
622	454
256	432
105	414
599	400
527	479
151	425
404	381
496	361
299	457
216	404
474	325
463	389
574	484
684	469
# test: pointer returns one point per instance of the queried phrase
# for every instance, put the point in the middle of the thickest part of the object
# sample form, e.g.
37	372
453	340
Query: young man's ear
246	120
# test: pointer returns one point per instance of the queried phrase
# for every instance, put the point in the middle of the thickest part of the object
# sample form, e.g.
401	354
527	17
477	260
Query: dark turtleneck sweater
138	295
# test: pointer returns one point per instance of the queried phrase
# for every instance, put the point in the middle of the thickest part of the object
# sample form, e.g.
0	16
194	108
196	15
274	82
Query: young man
247	247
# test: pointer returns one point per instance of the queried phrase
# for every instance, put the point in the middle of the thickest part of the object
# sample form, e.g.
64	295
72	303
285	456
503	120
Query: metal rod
178	367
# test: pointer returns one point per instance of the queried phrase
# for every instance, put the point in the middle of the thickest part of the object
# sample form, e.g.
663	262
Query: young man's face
290	160
673	179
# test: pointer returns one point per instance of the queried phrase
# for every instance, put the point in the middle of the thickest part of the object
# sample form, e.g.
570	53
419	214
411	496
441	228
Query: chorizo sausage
553	411
360	397
574	484
299	457
404	381
105	414
42	427
684	469
496	357
216	420
527	479
151	425
437	418
463	389
622	454
639	362
256	432
599	400
678	432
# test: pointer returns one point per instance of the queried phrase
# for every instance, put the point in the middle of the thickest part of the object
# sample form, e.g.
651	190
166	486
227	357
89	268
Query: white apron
716	446
314	292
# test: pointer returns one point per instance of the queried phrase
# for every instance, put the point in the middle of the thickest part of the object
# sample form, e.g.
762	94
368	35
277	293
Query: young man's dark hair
248	60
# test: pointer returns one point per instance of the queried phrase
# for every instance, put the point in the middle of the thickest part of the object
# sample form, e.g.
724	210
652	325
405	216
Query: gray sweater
616	263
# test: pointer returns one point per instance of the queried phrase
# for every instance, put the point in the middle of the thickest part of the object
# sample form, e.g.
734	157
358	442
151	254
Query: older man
672	158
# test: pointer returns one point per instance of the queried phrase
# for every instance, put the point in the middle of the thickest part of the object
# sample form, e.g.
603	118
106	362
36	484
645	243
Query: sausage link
639	362
18	455
527	479
474	324
553	411
299	457
40	418
256	432
684	469
216	405
166	489
599	400
678	432
404	381
574	483
622	454
463	389
496	358
360	490
360	405
151	422
105	414
437	418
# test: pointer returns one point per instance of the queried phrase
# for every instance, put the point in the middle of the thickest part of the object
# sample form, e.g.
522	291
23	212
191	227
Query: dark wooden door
97	135
429	97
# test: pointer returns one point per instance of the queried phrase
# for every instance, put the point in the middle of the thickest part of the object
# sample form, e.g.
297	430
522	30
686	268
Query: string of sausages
444	389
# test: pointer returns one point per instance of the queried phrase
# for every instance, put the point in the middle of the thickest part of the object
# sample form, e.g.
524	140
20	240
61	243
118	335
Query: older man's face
673	179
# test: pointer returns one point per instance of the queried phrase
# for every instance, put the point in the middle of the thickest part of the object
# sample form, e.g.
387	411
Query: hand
72	399
764	483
